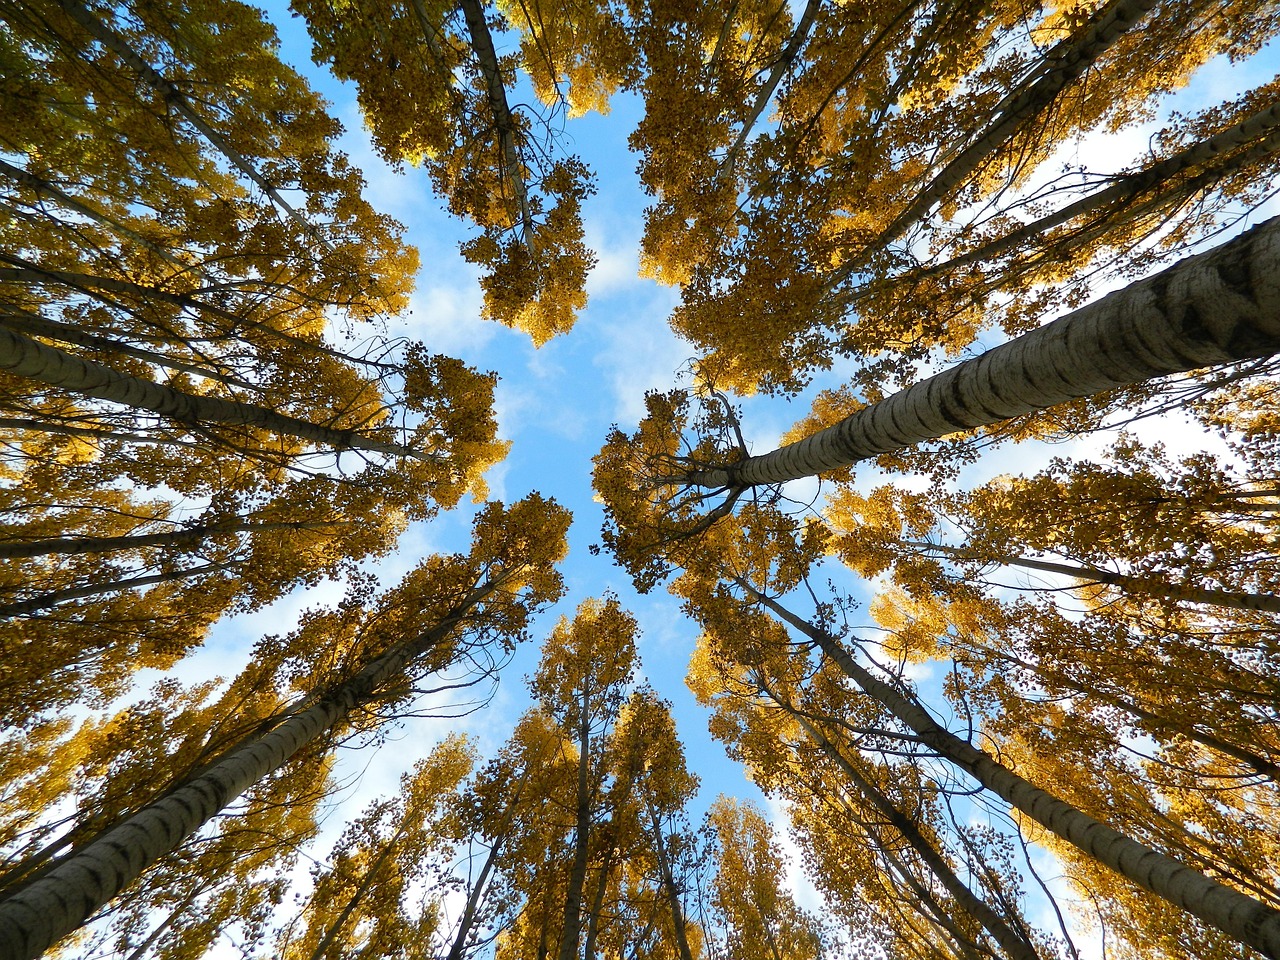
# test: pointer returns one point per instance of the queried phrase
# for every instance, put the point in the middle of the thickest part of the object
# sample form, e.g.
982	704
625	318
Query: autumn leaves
866	188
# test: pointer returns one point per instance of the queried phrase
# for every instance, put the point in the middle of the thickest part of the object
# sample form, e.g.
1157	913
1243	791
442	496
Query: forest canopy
958	520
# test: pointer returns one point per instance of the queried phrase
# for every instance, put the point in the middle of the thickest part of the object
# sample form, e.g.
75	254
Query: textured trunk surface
24	357
1235	914
71	546
48	600
581	842
1219	307
1150	586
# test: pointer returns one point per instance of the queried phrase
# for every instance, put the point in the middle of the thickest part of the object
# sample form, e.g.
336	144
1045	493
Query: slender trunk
24	271
176	100
1220	307
365	883
669	884
1152	586
482	44
473	902
1063	64
40	327
1259	133
48	600
581	840
178	911
1233	913
38	915
66	430
785	58
43	188
597	906
966	947
24	357
1260	127
1258	763
64	546
1013	942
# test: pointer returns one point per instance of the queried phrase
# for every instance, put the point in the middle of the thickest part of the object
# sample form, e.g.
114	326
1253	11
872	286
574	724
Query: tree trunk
482	45
24	357
1235	914
581	841
1220	307
1064	63
177	101
49	600
1151	586
41	913
64	546
669	884
52	330
1013	942
1258	133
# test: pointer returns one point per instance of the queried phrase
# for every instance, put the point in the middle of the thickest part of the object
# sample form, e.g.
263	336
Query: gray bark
581	839
46	601
482	44
1233	913
1219	307
24	357
184	537
1013	942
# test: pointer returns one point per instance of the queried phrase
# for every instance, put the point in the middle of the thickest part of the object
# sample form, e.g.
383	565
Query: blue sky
556	404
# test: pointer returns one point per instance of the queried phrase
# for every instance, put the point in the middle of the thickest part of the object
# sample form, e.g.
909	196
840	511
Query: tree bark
482	45
48	600
581	840
1233	913
1151	586
64	546
28	358
1258	133
669	884
1219	307
38	915
1014	943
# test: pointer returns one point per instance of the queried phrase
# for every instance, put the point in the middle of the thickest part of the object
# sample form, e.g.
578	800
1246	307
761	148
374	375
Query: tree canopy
989	697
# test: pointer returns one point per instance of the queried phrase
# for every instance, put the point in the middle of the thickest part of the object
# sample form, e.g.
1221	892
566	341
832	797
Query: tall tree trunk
185	537
496	93
28	358
786	57
1064	63
1233	913
62	899
581	840
48	600
1258	133
176	100
1220	307
469	912
38	326
354	901
1151	586
669	885
1014	942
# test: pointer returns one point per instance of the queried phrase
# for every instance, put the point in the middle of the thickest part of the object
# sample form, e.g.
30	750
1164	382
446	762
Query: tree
182	237
435	93
444	605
